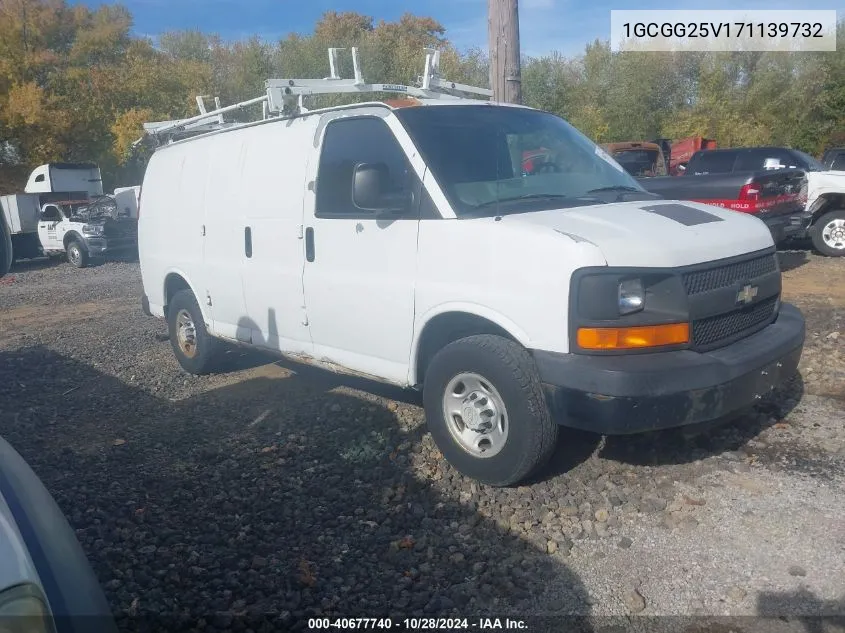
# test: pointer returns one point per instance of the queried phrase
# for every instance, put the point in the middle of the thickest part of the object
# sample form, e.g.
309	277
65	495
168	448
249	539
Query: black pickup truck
741	179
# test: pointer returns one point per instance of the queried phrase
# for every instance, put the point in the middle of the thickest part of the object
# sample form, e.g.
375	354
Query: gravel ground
268	489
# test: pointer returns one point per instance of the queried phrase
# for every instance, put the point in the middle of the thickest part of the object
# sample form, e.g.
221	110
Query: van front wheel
486	410
195	349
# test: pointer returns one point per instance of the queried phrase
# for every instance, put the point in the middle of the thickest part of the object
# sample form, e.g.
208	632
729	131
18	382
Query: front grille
715	330
699	281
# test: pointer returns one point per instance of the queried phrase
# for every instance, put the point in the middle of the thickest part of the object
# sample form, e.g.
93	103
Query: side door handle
309	244
248	241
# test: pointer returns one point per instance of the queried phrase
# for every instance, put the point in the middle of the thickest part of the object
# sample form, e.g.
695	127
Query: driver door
48	232
360	269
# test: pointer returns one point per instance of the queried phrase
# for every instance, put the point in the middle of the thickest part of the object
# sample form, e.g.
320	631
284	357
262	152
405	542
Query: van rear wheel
485	408
195	349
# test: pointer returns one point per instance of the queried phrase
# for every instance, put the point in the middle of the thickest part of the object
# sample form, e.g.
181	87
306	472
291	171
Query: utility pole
503	36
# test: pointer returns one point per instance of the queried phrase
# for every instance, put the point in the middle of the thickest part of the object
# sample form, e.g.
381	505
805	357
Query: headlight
631	296
92	229
24	610
615	309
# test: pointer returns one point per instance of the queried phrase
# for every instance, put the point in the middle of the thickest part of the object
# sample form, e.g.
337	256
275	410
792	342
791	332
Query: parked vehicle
639	159
683	150
821	216
21	212
128	199
64	210
665	147
407	246
77	180
774	197
86	228
834	159
82	228
5	246
46	582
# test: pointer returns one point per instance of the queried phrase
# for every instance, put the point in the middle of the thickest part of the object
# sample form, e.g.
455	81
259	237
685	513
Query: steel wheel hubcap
186	333
73	252
475	415
833	234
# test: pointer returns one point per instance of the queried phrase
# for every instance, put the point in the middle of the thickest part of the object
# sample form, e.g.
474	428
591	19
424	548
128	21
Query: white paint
822	183
128	199
362	305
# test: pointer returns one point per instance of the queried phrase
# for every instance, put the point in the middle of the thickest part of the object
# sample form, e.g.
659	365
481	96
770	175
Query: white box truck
21	213
407	243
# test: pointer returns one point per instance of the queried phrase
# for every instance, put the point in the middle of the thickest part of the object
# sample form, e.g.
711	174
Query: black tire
196	353
817	232
76	254
510	370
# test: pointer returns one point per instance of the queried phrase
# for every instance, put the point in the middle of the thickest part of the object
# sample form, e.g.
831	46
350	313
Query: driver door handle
309	244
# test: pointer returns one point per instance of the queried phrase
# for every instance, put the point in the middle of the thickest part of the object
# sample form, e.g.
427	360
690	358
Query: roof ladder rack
285	97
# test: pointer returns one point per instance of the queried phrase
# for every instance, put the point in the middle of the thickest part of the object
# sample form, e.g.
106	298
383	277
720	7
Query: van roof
390	104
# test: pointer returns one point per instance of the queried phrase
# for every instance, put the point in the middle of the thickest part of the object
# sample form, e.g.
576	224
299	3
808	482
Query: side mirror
369	182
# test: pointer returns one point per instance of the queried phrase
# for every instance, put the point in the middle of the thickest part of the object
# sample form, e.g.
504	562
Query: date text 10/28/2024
416	624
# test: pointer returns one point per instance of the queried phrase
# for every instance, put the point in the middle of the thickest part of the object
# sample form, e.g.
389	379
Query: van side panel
170	227
223	254
274	182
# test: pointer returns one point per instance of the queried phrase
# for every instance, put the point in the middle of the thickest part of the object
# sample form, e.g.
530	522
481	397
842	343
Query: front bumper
618	395
101	245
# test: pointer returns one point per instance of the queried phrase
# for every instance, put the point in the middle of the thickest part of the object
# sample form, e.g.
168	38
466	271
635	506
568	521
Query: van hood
655	233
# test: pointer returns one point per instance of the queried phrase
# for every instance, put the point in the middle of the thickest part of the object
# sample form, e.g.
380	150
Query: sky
565	26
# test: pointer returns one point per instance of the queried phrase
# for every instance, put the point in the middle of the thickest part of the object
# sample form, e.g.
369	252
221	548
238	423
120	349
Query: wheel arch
176	280
73	236
448	323
825	203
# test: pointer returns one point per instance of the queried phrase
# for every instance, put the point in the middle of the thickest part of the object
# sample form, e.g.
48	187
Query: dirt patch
24	319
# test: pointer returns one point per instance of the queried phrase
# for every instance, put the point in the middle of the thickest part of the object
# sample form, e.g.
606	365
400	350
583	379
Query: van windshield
496	160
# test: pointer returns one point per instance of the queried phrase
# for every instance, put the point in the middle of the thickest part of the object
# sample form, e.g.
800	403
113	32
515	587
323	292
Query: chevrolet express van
409	244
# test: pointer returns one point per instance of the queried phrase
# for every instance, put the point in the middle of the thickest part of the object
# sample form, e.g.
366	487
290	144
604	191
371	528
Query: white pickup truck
407	243
86	228
63	210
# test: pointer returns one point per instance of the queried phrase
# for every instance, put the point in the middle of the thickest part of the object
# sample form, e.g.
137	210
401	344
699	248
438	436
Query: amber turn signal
608	338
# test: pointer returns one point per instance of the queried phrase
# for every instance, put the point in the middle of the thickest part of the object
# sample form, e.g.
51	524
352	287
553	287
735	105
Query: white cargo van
411	245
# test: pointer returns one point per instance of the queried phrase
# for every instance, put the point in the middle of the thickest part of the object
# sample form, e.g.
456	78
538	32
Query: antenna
286	97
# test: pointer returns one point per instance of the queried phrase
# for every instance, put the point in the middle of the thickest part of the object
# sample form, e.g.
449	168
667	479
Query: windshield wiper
616	188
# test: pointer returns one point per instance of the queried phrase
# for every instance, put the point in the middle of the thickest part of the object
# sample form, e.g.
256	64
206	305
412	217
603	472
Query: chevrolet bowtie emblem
746	295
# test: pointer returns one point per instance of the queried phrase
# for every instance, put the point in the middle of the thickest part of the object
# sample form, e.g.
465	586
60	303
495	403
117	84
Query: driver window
347	143
51	214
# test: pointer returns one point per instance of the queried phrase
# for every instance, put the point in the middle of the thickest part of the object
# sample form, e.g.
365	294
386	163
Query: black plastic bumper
618	395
